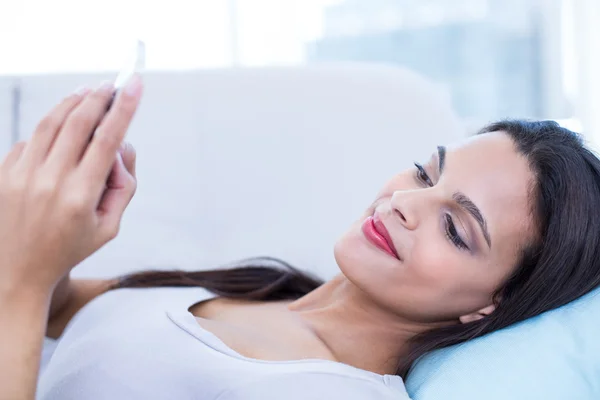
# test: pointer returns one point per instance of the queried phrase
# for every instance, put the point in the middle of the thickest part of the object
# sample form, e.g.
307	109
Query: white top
145	344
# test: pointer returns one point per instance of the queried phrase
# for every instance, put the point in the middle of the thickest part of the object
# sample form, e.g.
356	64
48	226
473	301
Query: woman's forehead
497	144
484	157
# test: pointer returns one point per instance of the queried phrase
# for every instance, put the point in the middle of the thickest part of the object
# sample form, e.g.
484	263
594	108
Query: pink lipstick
376	232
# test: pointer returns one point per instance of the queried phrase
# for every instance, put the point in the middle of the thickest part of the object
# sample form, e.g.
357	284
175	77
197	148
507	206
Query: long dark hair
257	278
563	265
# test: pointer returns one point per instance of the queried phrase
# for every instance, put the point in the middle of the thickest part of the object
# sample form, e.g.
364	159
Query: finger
14	155
129	157
99	156
46	131
120	189
75	134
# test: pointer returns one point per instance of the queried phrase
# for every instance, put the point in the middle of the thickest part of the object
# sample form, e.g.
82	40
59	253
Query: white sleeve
314	386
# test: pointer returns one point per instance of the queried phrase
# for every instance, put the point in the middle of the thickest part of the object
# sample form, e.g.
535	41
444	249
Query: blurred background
493	58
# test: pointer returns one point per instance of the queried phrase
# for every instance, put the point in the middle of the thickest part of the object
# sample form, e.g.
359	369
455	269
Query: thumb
120	188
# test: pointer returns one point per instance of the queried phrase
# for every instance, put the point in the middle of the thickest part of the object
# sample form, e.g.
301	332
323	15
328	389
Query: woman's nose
405	205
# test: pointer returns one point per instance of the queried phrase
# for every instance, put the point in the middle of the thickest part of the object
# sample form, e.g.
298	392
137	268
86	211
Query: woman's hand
69	296
62	196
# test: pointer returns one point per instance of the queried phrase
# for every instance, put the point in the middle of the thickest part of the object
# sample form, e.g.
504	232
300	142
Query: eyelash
451	232
422	175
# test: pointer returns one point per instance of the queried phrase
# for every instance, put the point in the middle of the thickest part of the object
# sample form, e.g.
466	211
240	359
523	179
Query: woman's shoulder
319	384
125	305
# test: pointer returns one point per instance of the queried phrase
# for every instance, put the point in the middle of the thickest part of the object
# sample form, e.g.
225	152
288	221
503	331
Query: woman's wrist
16	292
24	302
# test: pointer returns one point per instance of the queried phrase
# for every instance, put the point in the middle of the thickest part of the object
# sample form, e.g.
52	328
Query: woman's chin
359	259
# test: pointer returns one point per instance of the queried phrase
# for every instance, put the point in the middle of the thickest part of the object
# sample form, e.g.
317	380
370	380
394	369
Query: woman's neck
353	328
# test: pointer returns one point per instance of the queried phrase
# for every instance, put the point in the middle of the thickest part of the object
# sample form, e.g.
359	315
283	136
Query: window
496	58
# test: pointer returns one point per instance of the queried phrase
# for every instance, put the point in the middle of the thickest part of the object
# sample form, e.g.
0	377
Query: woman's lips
376	233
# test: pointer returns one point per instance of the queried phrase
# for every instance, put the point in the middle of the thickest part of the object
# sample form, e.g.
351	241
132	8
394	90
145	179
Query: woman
485	234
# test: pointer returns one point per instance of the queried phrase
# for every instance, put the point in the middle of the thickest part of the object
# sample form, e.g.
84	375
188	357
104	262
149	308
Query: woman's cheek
434	264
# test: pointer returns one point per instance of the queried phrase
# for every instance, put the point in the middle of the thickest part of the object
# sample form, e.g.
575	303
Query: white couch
244	162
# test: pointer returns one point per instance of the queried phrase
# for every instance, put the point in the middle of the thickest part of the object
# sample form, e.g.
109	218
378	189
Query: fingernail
106	87
82	91
133	87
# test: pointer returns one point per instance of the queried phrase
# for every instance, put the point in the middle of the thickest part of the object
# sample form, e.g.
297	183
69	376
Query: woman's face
455	230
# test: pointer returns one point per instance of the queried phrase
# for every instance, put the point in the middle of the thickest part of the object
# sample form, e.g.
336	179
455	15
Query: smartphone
135	64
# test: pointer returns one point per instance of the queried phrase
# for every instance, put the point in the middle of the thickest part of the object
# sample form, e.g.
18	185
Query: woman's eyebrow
441	158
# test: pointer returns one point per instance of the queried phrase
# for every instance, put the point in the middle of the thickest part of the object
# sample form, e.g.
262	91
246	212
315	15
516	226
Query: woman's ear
476	316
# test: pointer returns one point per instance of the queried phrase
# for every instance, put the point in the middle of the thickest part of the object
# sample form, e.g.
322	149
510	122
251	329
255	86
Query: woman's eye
422	175
452	234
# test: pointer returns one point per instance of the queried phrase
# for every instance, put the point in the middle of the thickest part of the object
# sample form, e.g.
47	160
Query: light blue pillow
555	356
